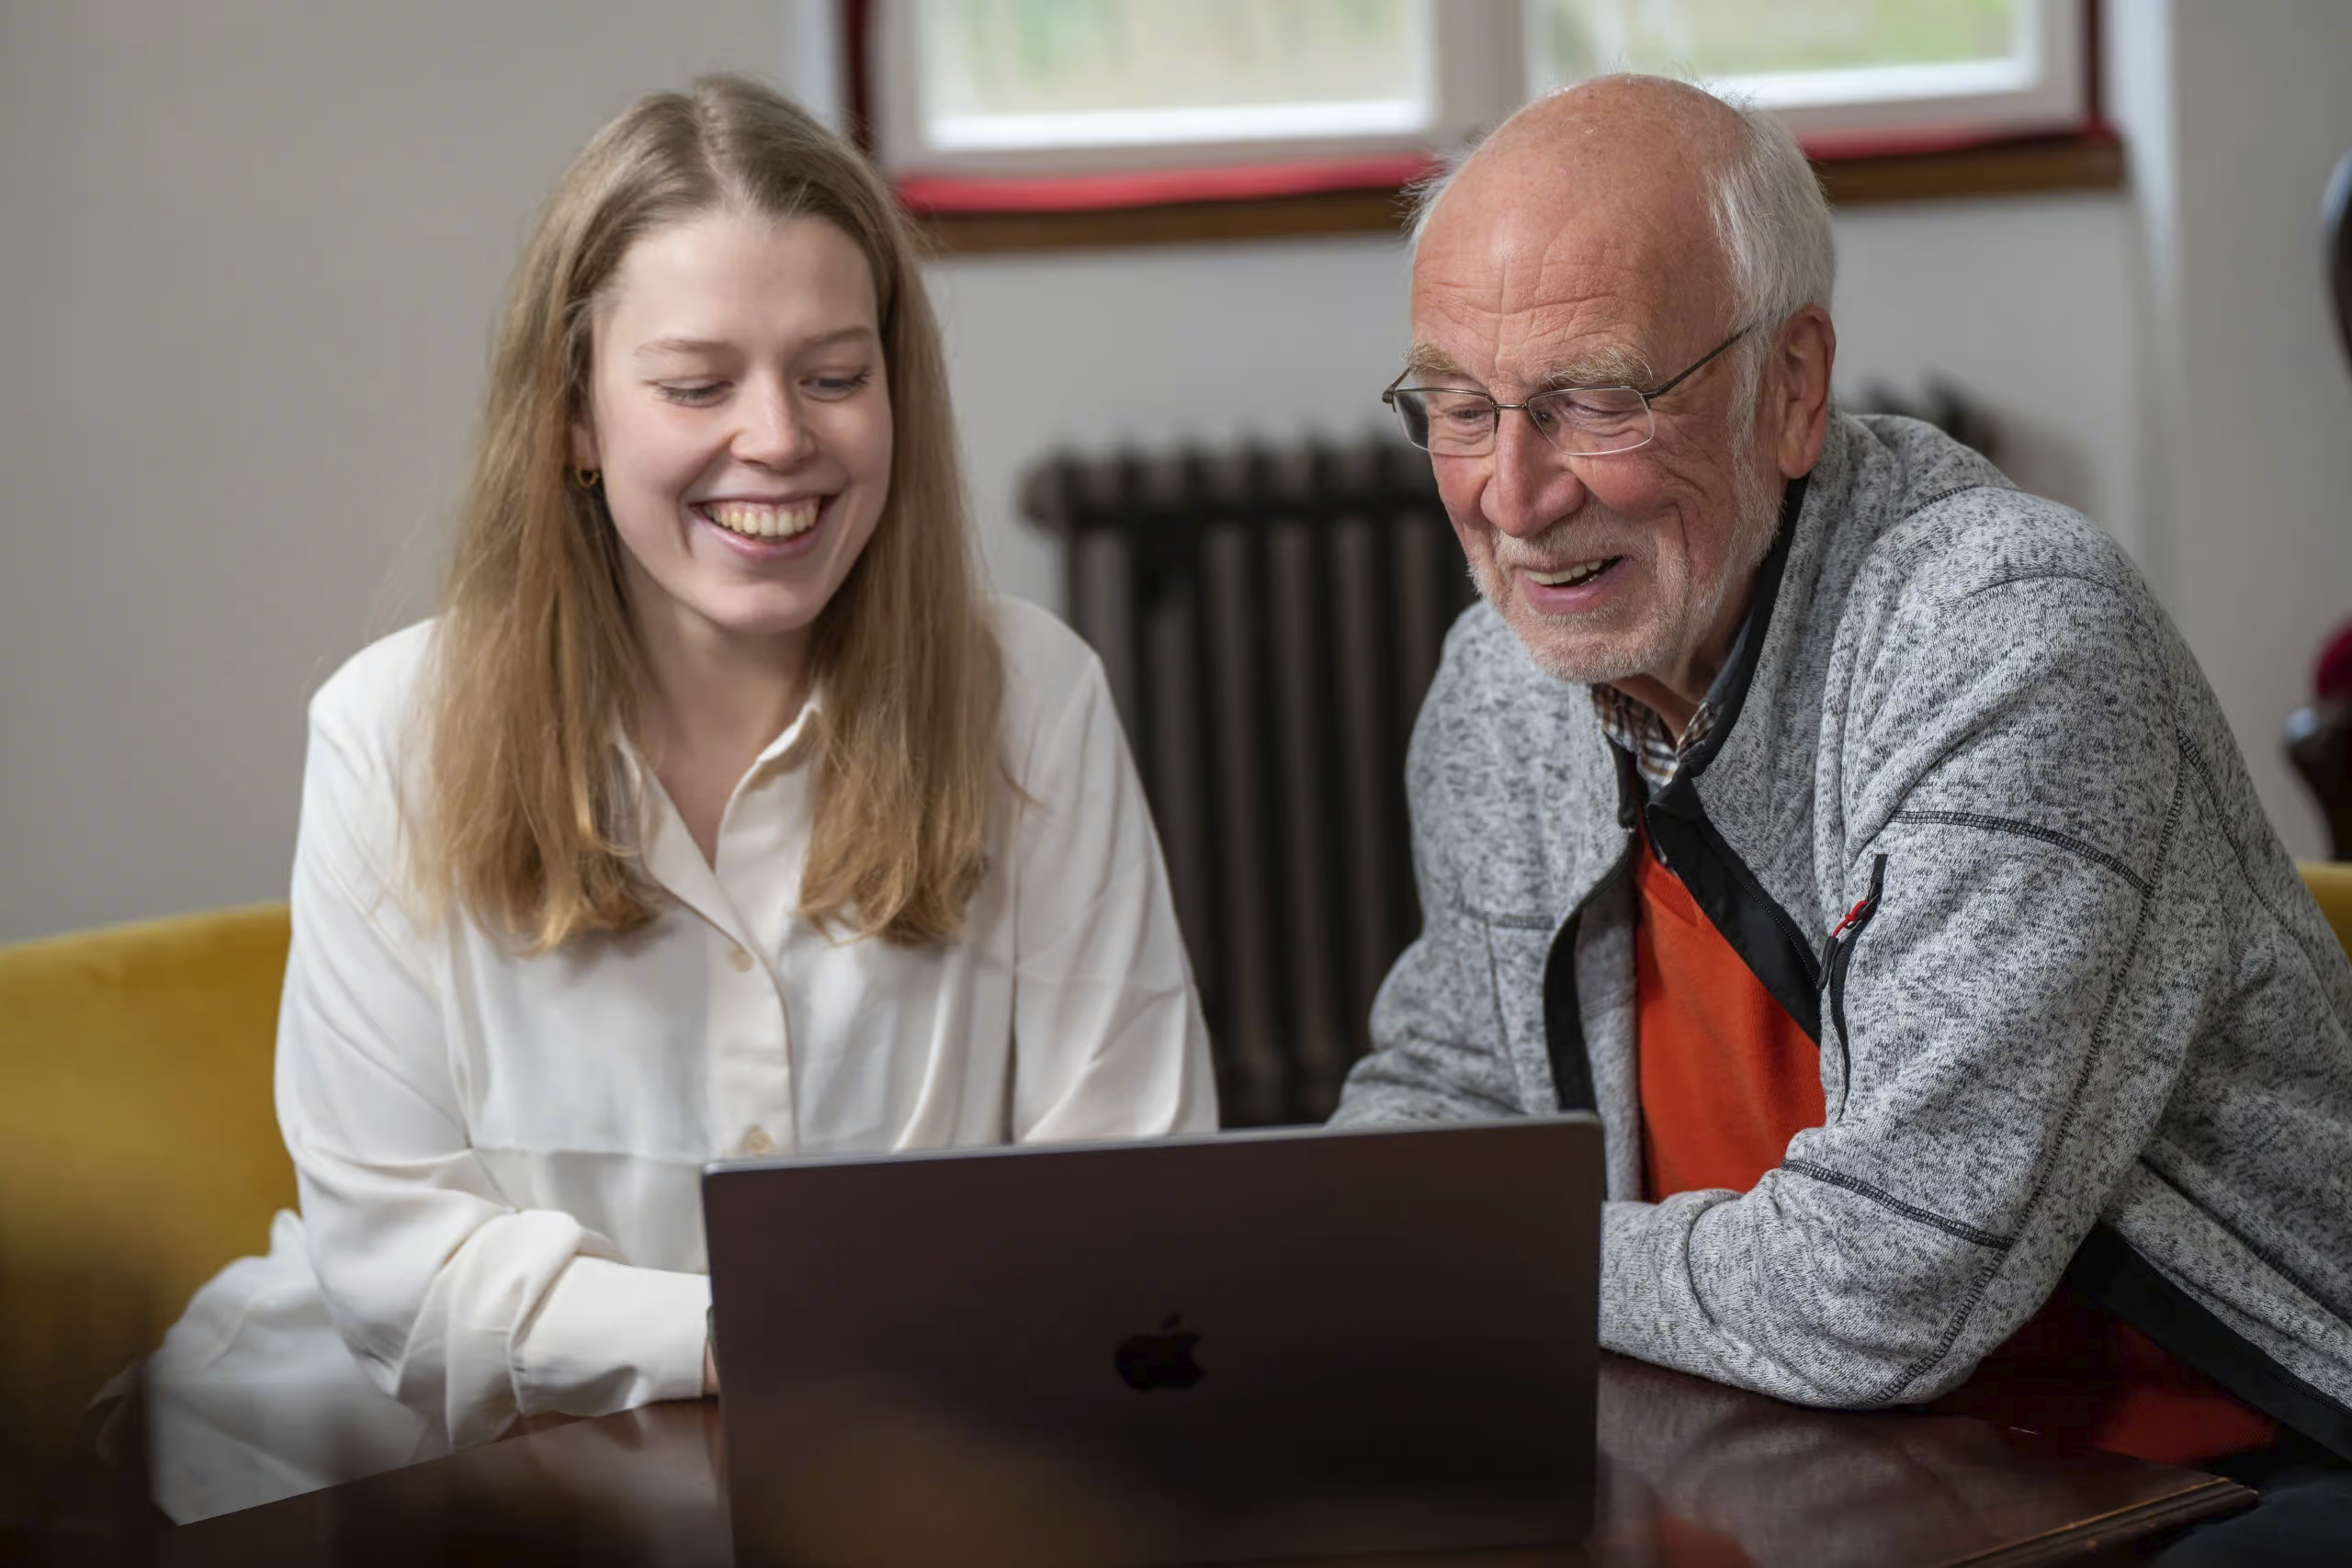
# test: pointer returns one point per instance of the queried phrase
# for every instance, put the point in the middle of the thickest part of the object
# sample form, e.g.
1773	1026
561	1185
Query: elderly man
1853	833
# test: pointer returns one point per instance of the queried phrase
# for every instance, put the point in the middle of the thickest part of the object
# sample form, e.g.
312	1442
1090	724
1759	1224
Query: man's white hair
1769	215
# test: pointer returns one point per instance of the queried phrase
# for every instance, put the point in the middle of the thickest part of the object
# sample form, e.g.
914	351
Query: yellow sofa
139	1145
2331	884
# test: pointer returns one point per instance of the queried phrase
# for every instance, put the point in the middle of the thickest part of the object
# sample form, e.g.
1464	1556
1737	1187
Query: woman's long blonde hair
530	823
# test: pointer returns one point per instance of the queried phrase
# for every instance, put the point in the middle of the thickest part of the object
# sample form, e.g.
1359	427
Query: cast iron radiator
1269	621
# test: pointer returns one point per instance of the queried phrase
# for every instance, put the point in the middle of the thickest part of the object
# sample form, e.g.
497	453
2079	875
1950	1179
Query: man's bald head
1617	150
1650	158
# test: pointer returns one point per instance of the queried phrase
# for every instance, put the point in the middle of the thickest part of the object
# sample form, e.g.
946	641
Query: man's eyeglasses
1582	422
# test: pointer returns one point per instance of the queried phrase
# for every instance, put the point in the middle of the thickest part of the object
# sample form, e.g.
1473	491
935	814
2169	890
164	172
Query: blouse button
738	961
757	1141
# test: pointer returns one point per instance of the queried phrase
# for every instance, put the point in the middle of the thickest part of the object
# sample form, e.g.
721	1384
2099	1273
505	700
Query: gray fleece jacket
2084	1016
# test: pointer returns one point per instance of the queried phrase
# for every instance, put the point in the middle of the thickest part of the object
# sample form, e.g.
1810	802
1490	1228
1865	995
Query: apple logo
1147	1362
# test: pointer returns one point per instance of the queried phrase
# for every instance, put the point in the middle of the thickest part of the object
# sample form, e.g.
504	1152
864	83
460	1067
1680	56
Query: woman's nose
772	432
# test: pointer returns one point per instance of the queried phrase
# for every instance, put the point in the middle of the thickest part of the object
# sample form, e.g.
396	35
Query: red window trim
928	194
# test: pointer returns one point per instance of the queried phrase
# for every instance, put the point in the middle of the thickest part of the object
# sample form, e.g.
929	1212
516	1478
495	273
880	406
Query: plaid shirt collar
1637	729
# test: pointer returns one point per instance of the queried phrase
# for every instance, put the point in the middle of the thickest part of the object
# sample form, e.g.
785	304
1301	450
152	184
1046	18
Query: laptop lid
1257	1344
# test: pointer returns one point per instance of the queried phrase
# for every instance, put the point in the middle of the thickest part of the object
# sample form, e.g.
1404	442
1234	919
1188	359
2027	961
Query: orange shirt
1727	1078
1726	1075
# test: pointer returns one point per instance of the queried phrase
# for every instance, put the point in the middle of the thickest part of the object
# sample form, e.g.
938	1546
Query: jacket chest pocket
1842	942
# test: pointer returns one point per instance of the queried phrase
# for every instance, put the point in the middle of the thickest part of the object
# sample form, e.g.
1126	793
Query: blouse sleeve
454	1301
1108	1037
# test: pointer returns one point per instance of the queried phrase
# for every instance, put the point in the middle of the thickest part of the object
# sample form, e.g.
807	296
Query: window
1852	75
1033	102
1014	75
1010	105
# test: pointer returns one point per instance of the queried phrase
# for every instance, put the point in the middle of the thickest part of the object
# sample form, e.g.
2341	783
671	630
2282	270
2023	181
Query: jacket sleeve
452	1299
1436	1054
1109	1039
1438	1051
2003	1032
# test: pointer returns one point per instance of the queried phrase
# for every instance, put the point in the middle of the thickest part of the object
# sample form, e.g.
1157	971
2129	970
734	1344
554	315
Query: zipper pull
1862	905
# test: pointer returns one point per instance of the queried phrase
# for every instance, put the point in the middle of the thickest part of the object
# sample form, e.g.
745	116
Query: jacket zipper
1841	942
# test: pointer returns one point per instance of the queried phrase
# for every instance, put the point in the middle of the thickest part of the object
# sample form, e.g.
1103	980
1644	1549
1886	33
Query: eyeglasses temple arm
1694	370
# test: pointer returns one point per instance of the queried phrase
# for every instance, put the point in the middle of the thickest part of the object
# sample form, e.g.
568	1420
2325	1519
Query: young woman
719	813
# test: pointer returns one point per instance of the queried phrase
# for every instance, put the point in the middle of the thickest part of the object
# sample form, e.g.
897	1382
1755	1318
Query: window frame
1467	77
2050	137
2058	99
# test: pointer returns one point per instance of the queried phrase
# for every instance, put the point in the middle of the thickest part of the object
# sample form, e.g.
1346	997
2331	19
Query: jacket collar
1727	694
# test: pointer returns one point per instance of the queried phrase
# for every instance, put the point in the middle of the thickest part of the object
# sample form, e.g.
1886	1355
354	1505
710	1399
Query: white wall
2235	117
2028	304
249	256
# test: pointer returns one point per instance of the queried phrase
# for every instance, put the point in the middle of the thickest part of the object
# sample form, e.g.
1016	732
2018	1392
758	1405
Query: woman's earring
587	478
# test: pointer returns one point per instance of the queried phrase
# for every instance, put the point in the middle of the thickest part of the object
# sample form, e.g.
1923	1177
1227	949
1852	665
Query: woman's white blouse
500	1156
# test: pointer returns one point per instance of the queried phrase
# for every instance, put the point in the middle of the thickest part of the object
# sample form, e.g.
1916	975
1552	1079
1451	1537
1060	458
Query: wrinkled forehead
1520	292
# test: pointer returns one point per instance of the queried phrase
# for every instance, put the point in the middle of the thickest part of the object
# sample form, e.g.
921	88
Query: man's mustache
1567	545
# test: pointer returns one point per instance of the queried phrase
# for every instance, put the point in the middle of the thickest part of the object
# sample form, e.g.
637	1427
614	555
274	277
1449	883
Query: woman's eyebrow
691	346
679	345
842	335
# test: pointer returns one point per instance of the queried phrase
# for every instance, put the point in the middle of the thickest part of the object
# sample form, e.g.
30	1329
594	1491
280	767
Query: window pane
1041	73
1570	40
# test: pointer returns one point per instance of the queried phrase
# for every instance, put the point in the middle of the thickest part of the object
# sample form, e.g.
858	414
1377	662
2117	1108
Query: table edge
2218	1495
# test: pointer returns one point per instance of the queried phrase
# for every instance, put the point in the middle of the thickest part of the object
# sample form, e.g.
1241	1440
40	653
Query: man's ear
1796	390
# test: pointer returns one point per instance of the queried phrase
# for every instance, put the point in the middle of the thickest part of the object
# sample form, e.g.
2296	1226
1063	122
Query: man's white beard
1757	488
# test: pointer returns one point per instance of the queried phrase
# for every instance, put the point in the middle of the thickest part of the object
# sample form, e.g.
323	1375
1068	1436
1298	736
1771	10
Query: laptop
1286	1344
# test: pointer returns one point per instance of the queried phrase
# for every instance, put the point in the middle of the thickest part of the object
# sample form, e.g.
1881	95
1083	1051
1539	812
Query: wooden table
1693	1473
